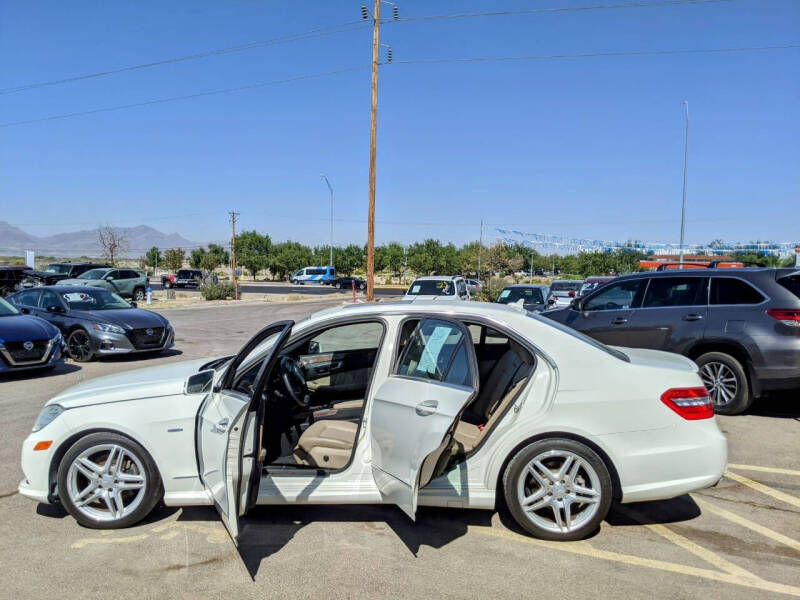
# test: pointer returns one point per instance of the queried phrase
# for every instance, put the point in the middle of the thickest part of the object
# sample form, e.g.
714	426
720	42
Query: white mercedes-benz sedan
407	403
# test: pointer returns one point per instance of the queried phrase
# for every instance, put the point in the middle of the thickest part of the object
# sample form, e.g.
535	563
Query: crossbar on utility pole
233	214
373	140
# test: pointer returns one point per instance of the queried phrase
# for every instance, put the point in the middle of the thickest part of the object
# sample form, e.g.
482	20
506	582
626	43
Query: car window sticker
415	289
430	353
505	293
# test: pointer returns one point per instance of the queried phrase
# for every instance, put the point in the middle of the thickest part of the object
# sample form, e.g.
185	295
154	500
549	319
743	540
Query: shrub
217	291
491	289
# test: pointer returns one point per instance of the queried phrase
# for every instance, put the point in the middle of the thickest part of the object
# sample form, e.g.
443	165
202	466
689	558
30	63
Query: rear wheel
107	481
138	294
726	381
79	346
557	489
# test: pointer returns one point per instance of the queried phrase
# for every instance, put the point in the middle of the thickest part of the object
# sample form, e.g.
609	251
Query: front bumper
54	354
109	344
36	483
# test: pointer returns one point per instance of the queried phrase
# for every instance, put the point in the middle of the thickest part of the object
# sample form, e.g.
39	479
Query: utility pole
480	249
328	183
685	173
373	139
233	214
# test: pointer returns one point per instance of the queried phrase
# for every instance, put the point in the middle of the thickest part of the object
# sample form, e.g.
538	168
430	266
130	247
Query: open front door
415	410
229	426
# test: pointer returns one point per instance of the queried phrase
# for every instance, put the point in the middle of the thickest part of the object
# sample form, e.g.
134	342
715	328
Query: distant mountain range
14	241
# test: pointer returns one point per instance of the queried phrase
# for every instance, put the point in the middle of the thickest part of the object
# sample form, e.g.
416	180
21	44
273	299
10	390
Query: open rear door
229	425
415	410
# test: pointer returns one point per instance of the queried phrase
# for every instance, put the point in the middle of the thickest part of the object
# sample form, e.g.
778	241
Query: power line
321	31
556	10
474	59
344	28
187	96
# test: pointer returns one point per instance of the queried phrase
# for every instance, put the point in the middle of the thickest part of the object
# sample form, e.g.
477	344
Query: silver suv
741	326
441	288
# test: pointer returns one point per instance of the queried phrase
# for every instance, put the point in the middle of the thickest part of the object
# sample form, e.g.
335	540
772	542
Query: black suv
741	326
18	277
55	272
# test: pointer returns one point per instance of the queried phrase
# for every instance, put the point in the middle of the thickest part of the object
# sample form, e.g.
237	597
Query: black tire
77	344
517	470
153	488
709	364
138	294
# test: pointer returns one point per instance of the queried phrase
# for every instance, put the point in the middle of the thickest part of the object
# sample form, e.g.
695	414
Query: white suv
438	287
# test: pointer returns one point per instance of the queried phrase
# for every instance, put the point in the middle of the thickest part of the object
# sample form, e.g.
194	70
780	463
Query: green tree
196	258
152	258
287	257
349	258
253	251
223	256
209	262
173	258
390	256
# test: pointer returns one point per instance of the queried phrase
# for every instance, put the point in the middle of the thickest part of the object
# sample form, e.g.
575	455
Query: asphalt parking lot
740	539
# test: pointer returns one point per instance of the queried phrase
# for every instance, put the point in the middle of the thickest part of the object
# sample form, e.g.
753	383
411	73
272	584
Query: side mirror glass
576	304
109	278
133	304
313	347
551	301
199	383
54	309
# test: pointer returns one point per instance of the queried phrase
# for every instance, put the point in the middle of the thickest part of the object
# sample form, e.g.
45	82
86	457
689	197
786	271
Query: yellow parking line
764	489
765	469
765	531
584	549
82	543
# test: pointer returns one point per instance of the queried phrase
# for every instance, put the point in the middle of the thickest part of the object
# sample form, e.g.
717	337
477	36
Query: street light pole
685	173
328	183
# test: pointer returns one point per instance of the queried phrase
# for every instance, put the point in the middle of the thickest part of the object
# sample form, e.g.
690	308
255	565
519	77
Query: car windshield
431	287
184	274
93	274
527	295
91	299
6	309
57	268
565	286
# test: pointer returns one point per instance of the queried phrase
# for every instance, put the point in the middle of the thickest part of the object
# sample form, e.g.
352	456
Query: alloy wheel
559	491
138	295
720	381
79	346
106	482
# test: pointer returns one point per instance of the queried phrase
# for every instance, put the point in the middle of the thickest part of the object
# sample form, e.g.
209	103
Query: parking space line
765	469
707	555
83	542
764	489
585	549
765	531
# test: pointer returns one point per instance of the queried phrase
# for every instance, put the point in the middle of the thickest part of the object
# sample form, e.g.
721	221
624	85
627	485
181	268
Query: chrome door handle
220	426
619	321
426	407
692	317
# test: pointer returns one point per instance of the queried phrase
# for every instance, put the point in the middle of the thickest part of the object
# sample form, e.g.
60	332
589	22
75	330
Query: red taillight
690	403
572	294
788	317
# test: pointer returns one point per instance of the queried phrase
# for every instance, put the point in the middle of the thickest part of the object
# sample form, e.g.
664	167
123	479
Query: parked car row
187	278
43	325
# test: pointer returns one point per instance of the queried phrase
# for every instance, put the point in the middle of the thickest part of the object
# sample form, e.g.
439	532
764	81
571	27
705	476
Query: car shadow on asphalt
60	369
266	530
121	358
783	405
675	510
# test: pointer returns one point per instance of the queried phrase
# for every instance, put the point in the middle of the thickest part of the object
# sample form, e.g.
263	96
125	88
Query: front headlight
48	415
105	327
57	339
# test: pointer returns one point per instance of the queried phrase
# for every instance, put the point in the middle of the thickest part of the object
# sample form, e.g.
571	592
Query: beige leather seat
326	444
506	380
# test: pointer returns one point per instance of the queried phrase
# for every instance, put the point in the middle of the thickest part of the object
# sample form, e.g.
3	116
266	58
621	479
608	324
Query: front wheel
138	294
726	382
107	481
79	346
557	489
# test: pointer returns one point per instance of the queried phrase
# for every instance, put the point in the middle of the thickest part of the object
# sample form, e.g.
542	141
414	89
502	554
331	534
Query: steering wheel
294	380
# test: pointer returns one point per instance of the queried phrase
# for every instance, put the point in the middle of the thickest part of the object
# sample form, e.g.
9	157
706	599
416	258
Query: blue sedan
27	342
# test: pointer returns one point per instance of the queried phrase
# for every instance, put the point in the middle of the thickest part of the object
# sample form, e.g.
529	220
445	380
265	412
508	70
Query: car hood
23	328
150	382
130	318
79	282
657	358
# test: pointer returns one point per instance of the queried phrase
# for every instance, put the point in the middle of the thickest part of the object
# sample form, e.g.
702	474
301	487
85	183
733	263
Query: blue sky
588	147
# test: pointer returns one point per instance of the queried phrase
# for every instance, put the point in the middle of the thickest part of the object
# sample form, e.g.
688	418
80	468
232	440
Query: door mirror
110	278
576	304
133	304
55	309
199	383
313	347
551	301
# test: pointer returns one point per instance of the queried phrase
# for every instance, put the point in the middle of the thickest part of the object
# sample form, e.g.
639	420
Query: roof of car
438	278
526	286
595	278
706	272
62	289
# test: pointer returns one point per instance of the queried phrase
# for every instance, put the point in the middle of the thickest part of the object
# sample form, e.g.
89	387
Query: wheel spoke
574	472
89	489
97	493
90	465
113	454
129	482
568	513
119	505
557	514
586	495
543	471
562	472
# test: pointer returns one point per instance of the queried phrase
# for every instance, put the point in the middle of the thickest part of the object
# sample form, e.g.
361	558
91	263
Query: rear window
791	283
728	290
565	286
